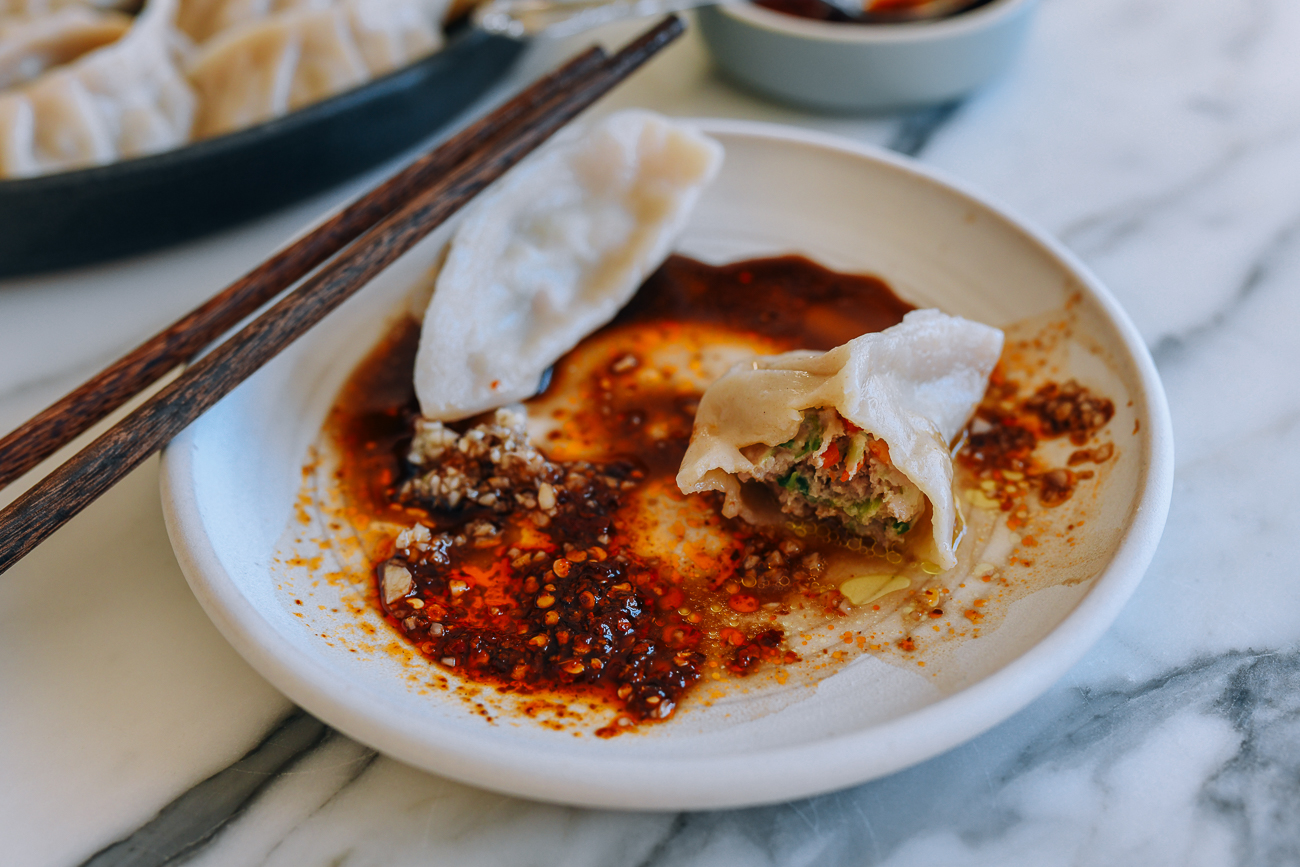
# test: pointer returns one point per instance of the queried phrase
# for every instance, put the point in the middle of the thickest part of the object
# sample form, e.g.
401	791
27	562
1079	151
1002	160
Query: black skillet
90	215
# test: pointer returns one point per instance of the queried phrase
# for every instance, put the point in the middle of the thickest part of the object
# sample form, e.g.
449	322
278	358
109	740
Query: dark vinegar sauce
820	11
569	606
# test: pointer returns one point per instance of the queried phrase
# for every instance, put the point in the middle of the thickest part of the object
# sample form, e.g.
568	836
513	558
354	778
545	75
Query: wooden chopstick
65	420
54	500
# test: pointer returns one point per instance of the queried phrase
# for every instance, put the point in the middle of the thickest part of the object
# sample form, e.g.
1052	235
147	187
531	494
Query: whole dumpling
269	66
860	435
33	8
552	252
200	20
125	99
30	45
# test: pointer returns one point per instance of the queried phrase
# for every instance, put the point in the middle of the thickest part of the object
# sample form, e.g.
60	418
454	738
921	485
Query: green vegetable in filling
861	511
792	481
857	450
809	437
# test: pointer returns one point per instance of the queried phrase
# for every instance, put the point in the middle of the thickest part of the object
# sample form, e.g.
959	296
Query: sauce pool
579	595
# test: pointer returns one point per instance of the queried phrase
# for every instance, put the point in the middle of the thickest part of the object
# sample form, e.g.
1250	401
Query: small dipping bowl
847	67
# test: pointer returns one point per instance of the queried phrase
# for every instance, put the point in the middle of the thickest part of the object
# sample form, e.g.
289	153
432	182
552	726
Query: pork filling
833	470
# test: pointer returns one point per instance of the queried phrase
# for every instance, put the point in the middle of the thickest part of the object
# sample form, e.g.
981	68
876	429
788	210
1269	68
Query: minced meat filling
831	469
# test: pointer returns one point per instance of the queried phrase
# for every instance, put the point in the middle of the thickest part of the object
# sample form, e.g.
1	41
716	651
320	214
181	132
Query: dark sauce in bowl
817	10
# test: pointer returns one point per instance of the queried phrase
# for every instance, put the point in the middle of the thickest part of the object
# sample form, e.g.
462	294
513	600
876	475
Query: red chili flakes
1070	409
1056	486
764	647
1002	438
731	635
1099	455
743	603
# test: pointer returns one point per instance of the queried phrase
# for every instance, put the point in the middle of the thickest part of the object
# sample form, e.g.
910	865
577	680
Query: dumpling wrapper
124	99
29	45
263	66
552	252
913	385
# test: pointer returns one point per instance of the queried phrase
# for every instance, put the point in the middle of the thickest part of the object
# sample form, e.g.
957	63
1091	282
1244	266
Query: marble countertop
1160	139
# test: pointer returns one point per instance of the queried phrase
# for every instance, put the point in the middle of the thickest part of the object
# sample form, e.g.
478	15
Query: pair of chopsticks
372	232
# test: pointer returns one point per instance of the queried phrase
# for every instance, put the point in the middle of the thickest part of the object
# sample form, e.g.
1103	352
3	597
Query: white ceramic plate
230	483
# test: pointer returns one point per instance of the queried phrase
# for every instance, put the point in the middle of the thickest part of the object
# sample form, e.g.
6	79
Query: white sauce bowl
864	67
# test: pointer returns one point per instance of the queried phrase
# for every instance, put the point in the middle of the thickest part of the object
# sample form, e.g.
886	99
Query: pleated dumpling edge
553	251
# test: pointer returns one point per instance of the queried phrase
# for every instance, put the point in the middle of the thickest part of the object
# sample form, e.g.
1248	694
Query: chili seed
744	603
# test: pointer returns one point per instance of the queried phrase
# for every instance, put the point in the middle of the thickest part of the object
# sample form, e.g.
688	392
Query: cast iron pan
90	215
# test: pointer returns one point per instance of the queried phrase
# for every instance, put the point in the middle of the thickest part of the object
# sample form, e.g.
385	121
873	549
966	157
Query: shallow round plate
231	484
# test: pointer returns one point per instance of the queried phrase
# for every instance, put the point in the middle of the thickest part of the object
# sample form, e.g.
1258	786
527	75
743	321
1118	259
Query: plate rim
735	780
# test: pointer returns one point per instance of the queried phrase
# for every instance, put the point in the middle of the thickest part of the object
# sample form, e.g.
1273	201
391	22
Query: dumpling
203	19
552	252
122	100
32	8
29	45
859	435
270	66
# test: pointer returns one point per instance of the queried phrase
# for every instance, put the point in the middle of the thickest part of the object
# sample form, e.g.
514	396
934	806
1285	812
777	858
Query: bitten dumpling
123	100
552	252
859	435
267	65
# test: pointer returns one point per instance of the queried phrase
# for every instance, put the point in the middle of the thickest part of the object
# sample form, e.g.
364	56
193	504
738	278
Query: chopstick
54	500
69	417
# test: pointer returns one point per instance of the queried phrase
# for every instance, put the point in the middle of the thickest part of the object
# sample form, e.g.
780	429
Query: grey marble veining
1161	140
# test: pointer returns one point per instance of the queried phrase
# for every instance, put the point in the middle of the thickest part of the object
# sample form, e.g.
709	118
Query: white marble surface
1161	140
